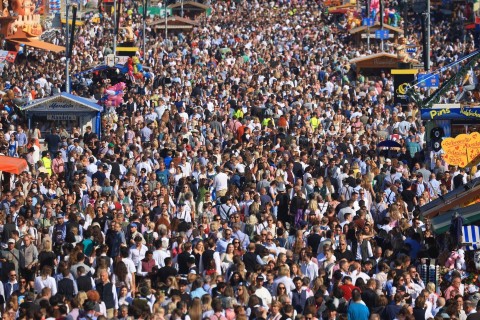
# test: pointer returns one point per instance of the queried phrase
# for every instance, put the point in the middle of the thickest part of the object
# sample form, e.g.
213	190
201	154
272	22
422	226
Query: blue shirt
358	311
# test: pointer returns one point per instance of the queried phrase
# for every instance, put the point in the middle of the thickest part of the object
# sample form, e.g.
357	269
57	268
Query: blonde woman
312	208
207	306
46	256
195	311
242	295
45	280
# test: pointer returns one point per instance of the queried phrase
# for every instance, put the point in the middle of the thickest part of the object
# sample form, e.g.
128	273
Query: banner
3	56
463	150
11	56
402	79
451	112
471	234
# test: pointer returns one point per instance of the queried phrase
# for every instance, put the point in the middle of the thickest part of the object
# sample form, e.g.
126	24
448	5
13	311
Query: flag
471	235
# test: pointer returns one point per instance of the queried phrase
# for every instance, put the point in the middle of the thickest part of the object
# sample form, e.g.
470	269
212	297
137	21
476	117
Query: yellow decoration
463	150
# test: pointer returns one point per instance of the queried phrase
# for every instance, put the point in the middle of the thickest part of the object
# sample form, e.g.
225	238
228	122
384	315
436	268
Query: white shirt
137	254
220	182
49	282
265	295
159	257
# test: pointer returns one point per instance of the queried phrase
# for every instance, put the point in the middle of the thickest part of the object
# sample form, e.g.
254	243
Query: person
108	294
357	308
28	259
45	280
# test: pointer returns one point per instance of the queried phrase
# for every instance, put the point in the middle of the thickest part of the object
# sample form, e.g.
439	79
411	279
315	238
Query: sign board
368	22
452	111
402	78
111	60
61	117
156	11
427	80
382	34
411	49
463	150
373	35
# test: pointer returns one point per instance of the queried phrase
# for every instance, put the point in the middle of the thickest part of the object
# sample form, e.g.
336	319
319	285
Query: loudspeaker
436	136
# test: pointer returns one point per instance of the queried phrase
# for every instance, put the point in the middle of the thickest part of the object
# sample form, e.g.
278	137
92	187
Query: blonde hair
47	244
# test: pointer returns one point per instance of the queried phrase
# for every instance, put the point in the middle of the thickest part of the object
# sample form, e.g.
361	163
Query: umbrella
389	144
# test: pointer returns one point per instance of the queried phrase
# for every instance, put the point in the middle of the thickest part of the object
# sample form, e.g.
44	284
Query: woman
227	257
207	306
150	235
45	280
124	297
237	249
195	311
47	257
13	146
275	308
235	280
198	251
121	277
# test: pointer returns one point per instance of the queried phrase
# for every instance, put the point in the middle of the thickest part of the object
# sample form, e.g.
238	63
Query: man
348	288
114	238
138	252
148	266
84	281
308	267
11	285
261	291
357	309
184	295
167	271
250	258
66	286
108	294
391	310
28	259
453	289
225	241
10	259
161	252
342	252
299	295
470	310
227	209
59	231
182	258
80	262
220	182
52	140
369	295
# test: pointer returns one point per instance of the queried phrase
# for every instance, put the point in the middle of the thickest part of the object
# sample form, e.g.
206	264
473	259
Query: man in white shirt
161	252
137	252
262	292
220	183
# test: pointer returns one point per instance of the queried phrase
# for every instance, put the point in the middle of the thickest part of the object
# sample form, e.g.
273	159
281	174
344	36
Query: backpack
249	231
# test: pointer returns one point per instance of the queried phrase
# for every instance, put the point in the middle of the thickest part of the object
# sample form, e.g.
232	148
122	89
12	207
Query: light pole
67	59
144	37
115	29
166	23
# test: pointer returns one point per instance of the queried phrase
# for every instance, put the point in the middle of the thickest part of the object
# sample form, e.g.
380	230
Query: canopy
38	44
12	165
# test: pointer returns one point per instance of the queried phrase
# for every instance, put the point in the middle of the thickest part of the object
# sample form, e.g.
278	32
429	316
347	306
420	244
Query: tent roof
376	26
63	98
470	215
38	44
12	165
189	4
374	56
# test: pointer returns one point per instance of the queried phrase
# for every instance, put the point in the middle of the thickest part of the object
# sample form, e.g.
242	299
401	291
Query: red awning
12	165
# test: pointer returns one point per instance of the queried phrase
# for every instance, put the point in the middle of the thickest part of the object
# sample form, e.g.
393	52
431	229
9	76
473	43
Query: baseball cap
11	240
60	215
260	278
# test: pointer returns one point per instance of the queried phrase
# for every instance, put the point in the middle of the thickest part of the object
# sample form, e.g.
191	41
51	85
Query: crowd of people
240	180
